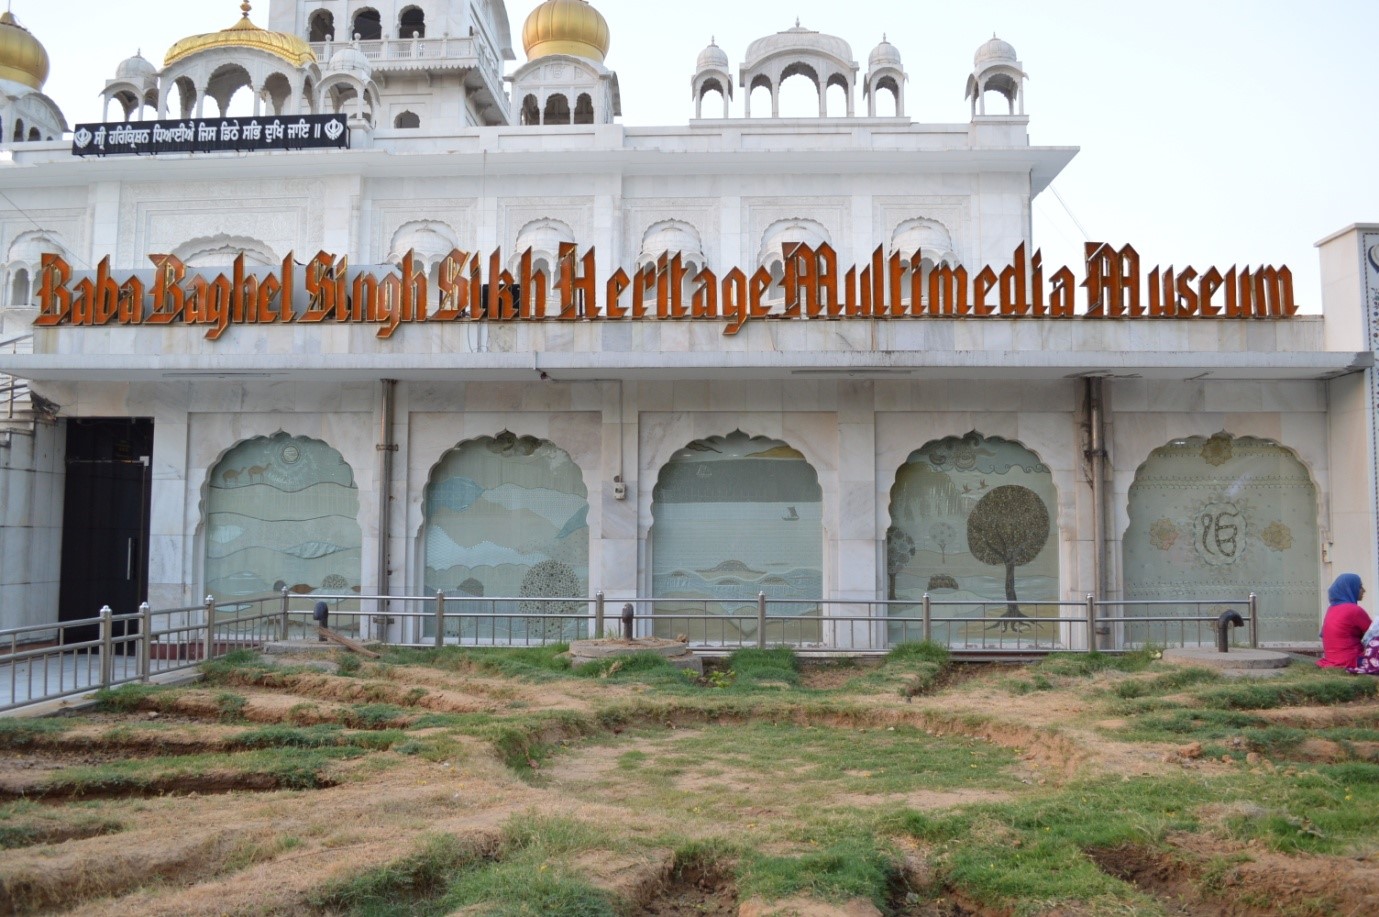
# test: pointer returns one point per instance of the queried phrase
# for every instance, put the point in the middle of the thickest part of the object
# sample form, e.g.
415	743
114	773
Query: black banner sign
212	135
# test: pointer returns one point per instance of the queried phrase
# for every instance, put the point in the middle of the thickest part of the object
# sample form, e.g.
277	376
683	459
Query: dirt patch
695	891
1159	875
207	784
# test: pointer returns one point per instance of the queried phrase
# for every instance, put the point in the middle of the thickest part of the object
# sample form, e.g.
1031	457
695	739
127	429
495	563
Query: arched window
322	26
584	109
19	288
531	110
838	94
34	134
408	119
557	110
368	25
735	516
412	23
760	100
1219	518
975	518
282	511
711	94
801	92
887	107
507	516
18	130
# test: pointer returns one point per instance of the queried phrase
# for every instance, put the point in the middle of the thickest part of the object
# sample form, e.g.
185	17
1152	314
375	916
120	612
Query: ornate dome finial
244	8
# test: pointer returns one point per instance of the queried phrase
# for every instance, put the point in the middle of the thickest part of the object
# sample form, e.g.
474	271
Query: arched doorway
975	519
734	516
282	511
1219	518
506	518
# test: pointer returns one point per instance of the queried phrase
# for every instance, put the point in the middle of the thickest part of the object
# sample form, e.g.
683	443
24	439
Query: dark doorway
105	520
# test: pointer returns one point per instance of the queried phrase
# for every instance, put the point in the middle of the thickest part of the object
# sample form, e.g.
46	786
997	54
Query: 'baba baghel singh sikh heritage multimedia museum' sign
465	288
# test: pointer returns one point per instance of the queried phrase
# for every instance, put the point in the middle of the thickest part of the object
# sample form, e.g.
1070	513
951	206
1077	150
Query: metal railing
45	662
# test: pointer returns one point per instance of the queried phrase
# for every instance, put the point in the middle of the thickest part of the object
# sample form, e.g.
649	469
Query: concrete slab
1236	659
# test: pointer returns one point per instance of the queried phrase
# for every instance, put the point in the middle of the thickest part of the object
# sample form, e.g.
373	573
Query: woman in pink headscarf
1345	624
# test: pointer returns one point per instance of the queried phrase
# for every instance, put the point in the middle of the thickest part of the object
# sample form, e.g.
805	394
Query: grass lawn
504	783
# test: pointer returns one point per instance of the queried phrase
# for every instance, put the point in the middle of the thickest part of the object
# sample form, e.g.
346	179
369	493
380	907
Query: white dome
884	55
796	40
135	69
712	58
352	60
995	51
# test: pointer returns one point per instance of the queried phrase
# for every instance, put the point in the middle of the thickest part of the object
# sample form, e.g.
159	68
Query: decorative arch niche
974	519
734	516
506	519
1217	518
281	511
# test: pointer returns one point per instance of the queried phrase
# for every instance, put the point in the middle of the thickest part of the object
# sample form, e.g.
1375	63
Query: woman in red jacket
1344	625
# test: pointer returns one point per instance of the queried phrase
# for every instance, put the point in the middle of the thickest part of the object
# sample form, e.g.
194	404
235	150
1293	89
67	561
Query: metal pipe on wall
1096	474
387	449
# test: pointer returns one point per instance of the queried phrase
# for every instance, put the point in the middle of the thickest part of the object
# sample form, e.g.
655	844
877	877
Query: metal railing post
1254	621
927	627
761	620
210	629
1091	623
145	641
440	619
598	615
107	646
282	616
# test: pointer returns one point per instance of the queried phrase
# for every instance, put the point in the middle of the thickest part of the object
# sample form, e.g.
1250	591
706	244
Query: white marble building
900	422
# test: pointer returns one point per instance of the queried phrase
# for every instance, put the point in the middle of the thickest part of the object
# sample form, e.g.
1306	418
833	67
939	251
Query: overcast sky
1212	132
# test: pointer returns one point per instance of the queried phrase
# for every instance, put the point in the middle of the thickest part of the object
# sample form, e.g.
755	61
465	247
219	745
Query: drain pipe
387	448
1096	460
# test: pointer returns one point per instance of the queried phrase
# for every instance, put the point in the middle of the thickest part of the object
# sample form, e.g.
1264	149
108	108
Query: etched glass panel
507	520
1217	519
283	511
735	516
974	519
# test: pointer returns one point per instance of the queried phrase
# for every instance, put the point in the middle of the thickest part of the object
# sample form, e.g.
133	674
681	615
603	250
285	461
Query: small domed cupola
884	55
571	27
712	58
885	73
997	68
136	69
23	59
711	74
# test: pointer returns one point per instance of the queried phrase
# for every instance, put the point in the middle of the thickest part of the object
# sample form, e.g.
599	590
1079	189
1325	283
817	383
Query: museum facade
416	324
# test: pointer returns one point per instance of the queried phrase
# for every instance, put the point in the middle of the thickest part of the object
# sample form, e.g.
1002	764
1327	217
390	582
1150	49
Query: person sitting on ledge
1345	623
1369	652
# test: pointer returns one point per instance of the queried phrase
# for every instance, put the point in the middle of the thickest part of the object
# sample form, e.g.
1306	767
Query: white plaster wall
1350	434
31	504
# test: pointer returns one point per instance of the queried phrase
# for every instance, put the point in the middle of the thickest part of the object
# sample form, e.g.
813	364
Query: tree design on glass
551	579
899	549
1008	527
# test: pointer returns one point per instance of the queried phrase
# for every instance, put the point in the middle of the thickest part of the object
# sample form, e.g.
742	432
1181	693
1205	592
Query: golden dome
22	57
566	27
244	34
